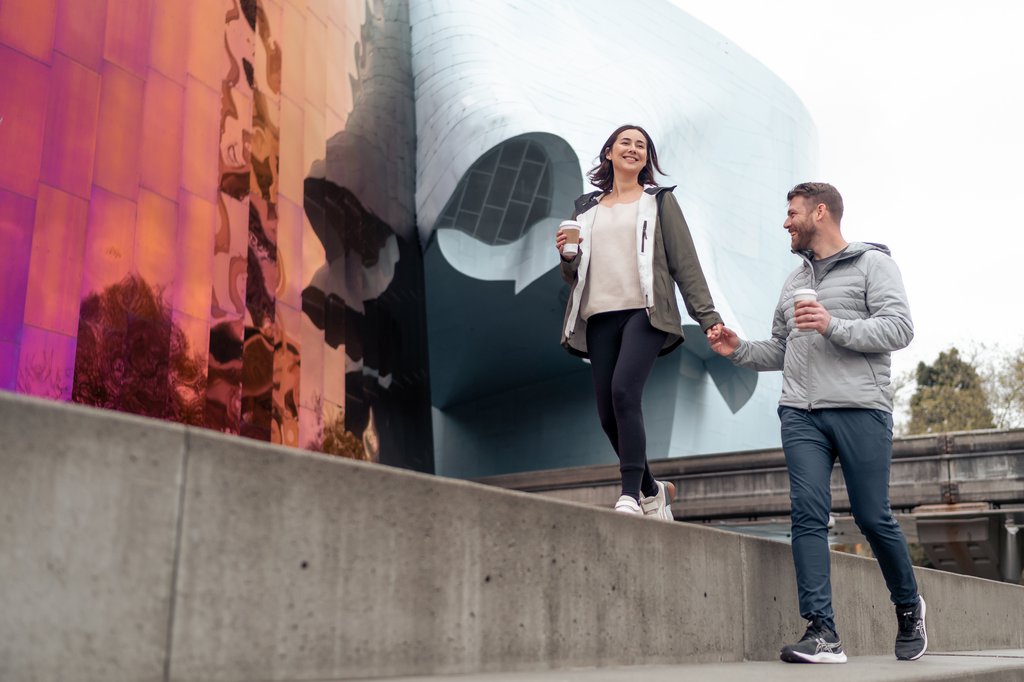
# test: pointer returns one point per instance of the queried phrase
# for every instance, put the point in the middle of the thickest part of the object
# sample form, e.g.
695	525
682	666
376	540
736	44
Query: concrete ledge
979	666
89	507
187	555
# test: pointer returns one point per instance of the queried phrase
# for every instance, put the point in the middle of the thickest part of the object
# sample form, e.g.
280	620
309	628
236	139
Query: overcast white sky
919	108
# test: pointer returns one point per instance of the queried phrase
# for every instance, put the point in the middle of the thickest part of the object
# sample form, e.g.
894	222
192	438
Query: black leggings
623	347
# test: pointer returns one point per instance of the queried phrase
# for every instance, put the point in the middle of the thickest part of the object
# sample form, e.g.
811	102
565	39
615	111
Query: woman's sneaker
818	645
657	505
912	640
628	505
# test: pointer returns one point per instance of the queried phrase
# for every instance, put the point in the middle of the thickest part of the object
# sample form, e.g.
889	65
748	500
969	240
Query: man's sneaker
912	640
818	645
657	506
628	505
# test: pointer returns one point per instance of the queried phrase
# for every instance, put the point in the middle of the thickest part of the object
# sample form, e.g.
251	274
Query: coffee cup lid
569	223
805	292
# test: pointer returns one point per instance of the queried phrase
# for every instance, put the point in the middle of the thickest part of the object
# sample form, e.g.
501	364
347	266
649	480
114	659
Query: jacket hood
585	202
853	249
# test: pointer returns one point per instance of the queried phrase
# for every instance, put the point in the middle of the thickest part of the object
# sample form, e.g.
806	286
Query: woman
622	310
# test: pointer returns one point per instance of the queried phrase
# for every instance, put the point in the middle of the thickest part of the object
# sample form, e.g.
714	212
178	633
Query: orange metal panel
293	53
291	169
55	270
27	25
197	220
201	139
126	40
316	68
24	83
289	253
71	127
156	238
109	241
79	31
116	166
169	39
207	58
163	113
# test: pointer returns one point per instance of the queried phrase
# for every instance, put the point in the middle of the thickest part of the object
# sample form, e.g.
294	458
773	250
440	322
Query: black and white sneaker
818	645
912	640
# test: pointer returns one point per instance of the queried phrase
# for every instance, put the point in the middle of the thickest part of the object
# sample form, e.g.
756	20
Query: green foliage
950	396
1003	375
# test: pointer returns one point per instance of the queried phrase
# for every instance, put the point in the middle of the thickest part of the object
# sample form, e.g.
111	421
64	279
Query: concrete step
972	666
133	549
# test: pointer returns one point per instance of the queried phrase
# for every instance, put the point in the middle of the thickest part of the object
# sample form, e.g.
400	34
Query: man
837	402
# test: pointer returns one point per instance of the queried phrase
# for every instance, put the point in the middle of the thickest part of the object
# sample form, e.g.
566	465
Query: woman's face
628	153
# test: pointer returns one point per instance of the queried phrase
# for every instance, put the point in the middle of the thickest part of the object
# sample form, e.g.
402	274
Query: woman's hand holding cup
567	239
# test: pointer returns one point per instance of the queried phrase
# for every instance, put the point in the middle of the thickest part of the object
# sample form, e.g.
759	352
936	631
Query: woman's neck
625	188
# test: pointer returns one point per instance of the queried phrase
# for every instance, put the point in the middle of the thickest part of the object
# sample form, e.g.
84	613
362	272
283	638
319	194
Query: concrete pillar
1010	559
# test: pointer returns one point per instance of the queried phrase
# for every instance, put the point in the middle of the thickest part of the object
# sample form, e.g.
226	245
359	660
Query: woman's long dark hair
602	175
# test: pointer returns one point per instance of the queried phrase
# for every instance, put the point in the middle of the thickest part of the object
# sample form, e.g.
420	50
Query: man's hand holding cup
809	316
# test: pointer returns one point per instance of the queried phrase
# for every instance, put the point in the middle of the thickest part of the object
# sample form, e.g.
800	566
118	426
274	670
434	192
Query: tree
1003	377
950	396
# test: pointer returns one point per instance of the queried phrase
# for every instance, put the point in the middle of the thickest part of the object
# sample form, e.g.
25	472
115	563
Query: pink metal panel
46	364
109	241
17	214
79	31
27	25
71	127
116	166
126	41
162	132
24	83
156	237
55	270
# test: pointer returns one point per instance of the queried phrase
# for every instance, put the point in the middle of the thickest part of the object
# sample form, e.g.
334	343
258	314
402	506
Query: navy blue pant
862	440
623	347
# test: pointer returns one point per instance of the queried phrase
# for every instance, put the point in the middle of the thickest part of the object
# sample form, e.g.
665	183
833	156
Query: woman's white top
613	282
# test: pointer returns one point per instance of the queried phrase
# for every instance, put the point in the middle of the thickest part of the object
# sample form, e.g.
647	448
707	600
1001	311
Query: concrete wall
142	550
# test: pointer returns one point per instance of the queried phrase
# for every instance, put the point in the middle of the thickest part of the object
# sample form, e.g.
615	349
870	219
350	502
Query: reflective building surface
513	101
328	223
209	213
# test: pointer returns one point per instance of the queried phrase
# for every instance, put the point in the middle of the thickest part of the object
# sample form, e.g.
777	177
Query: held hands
811	315
560	242
722	339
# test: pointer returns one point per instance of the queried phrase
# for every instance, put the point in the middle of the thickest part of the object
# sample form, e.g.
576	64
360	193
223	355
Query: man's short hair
820	193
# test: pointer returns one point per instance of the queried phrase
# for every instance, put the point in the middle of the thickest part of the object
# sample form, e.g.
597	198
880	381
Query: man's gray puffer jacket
848	366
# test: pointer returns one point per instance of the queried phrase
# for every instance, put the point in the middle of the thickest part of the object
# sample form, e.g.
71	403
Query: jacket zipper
643	239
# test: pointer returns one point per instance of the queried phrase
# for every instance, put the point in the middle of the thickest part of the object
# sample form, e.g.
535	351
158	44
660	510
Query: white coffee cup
803	295
572	237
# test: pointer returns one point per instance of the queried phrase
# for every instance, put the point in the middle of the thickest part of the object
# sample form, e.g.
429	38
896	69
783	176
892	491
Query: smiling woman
622	311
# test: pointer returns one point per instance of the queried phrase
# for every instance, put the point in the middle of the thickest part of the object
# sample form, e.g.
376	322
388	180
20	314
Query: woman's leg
604	336
638	349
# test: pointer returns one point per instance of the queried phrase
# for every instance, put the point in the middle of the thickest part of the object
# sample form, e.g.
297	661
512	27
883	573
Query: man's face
800	223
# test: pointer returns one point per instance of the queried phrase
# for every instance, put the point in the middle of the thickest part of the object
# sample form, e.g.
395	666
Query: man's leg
863	440
809	461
